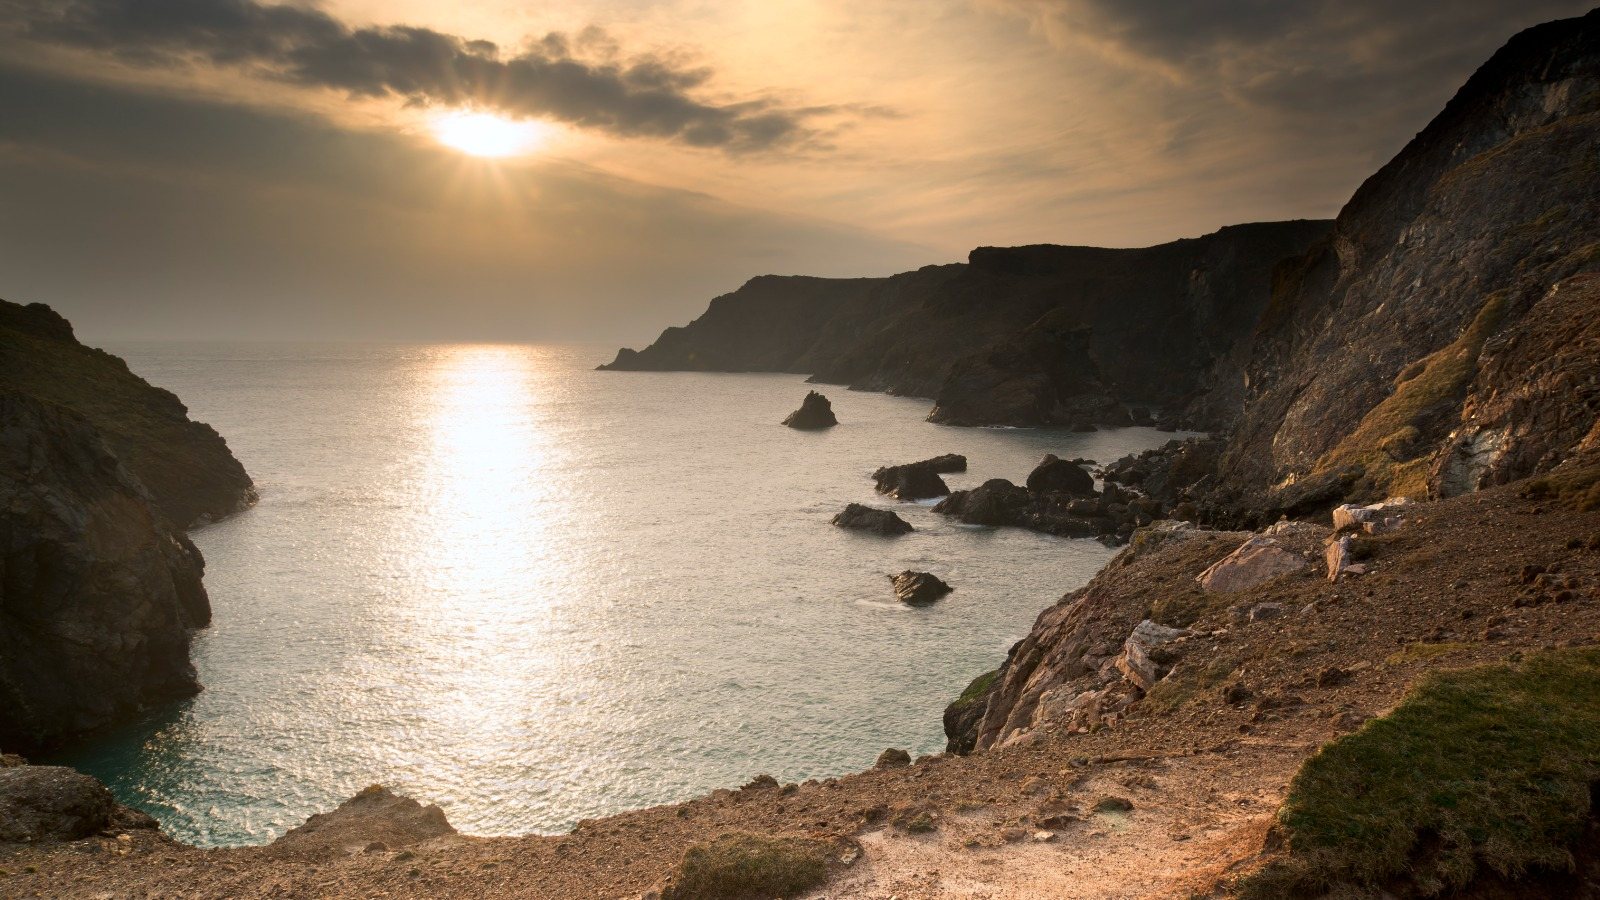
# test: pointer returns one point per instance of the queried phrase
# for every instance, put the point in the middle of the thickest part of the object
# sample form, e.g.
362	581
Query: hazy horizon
594	171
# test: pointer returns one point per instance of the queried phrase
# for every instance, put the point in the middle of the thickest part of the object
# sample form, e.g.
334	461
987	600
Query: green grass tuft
1479	770
738	865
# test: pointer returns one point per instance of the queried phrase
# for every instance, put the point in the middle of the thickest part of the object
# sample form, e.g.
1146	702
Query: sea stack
918	588
815	413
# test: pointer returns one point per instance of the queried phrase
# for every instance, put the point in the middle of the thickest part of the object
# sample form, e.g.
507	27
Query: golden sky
240	168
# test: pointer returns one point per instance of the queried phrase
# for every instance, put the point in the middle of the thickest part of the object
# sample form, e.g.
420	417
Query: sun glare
482	134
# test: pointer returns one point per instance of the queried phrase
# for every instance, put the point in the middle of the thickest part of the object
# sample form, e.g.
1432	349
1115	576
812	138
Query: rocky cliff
1440	339
99	587
1022	335
98	591
185	465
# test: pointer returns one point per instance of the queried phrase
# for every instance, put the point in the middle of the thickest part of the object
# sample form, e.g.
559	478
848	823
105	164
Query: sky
247	169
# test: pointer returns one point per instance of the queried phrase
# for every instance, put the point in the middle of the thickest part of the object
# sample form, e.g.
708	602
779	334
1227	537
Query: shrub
739	865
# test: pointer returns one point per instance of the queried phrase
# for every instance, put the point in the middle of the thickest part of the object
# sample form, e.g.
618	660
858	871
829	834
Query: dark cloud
637	97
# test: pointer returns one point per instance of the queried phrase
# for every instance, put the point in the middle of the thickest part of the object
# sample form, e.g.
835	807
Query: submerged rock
878	521
918	588
815	412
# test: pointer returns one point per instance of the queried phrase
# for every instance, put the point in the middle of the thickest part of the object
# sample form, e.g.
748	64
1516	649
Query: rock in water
995	502
1056	475
918	480
100	591
918	588
815	412
877	521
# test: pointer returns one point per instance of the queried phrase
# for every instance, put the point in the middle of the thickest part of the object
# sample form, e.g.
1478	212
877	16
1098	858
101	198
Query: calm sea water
497	580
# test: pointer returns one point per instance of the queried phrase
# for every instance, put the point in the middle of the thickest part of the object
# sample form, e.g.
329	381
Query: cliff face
1022	336
99	587
1425	343
185	465
98	591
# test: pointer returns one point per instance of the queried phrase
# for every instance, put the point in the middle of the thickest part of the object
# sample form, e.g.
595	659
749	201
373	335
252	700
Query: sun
483	134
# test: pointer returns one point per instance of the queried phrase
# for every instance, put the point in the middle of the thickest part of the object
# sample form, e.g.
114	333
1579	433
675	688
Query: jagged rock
51	803
918	480
761	783
918	588
1055	475
892	758
878	521
100	592
1378	518
374	814
815	412
1136	662
185	465
1337	556
1257	561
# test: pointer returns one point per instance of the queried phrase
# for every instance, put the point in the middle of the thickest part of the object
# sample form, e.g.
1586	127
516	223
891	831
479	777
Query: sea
490	577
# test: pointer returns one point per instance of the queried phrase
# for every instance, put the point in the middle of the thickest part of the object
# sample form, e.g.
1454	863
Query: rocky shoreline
1405	482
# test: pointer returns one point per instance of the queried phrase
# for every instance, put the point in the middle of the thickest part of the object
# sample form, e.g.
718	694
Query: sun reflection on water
484	507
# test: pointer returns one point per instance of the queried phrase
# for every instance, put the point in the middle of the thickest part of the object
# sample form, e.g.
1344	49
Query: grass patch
1577	486
1184	682
1386	443
740	865
1180	608
1419	651
1480	770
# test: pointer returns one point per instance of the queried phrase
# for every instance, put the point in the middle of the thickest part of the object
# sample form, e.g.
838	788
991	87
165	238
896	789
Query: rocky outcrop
1056	475
1093	654
918	588
1111	514
918	480
878	521
185	465
1015	336
98	591
51	803
373	820
815	413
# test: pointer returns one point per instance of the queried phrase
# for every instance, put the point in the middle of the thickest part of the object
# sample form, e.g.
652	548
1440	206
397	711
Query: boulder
892	758
51	803
918	588
815	412
995	502
918	480
1337	556
1055	475
1137	663
878	521
1378	518
1257	561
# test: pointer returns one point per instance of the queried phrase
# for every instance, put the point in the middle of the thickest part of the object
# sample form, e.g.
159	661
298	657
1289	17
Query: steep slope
98	591
1021	336
185	465
1429	343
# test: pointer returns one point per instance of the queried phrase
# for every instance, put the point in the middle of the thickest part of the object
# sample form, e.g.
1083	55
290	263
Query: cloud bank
550	79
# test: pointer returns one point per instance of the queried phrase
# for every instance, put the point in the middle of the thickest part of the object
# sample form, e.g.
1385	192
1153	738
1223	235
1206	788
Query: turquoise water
530	592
